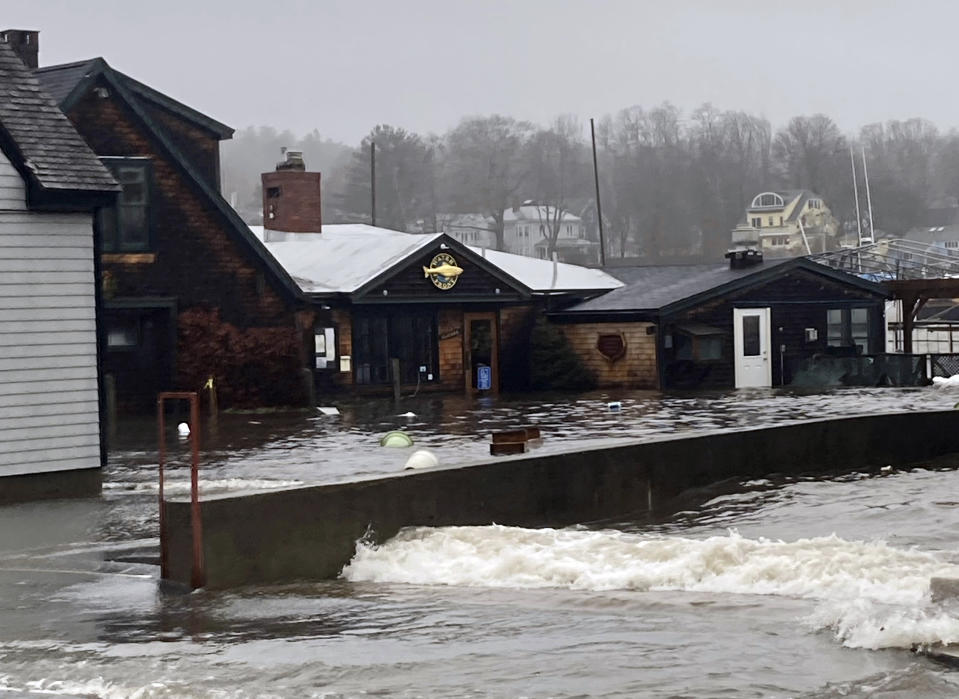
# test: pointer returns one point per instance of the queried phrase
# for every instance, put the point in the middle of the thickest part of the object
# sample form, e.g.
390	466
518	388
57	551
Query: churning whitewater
870	594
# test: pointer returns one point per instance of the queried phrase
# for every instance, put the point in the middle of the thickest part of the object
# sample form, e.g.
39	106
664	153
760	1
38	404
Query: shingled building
188	292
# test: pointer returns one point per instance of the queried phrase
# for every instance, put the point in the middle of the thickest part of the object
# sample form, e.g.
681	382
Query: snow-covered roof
544	276
343	257
536	213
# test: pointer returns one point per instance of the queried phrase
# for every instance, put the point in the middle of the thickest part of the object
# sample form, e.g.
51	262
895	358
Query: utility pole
373	182
599	206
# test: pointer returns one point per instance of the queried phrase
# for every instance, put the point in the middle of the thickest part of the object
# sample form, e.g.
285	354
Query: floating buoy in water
422	459
615	406
407	414
329	411
183	429
396	439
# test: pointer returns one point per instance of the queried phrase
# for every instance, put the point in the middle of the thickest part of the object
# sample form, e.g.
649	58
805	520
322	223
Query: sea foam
868	593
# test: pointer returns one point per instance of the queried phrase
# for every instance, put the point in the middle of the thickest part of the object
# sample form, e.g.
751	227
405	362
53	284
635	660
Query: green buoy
396	438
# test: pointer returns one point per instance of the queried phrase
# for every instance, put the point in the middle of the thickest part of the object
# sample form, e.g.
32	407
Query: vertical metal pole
161	450
395	370
855	189
198	575
599	206
865	176
373	182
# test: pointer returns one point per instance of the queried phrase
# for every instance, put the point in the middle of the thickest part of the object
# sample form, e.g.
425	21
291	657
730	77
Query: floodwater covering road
783	588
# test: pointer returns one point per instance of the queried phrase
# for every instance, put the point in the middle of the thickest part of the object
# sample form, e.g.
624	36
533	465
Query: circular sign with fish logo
443	271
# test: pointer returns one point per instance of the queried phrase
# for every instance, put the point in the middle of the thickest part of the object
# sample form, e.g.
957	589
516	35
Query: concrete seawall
311	532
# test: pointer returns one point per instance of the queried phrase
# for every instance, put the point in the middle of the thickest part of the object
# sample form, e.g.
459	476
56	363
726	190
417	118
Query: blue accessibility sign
484	377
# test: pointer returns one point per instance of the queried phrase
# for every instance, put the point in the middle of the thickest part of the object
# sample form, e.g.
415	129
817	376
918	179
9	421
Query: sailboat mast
855	189
865	175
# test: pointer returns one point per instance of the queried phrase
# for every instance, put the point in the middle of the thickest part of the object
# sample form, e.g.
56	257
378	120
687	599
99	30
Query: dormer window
767	200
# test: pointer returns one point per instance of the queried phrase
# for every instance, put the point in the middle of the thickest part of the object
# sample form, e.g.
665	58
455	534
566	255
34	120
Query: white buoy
422	459
407	414
183	429
329	410
615	406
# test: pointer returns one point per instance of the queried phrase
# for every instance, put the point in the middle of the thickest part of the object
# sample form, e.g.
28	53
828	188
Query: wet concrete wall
311	532
74	483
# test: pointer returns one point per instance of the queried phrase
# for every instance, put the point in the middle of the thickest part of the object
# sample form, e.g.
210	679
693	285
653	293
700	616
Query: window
952	244
767	200
757	222
780	220
324	348
848	327
409	336
126	226
123	334
751	340
771	221
698	343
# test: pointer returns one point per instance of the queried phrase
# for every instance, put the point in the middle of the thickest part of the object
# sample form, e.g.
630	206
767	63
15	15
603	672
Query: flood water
785	588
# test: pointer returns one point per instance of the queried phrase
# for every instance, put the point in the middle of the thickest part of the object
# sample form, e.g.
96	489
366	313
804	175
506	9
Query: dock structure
310	532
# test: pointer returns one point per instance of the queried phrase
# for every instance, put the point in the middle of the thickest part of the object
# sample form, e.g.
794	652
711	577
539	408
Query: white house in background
470	229
526	231
784	218
51	185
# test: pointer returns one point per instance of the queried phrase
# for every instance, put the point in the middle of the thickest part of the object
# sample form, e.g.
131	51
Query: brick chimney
291	197
26	44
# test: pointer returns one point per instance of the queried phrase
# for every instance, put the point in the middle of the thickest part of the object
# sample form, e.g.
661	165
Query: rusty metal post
198	572
161	449
198	576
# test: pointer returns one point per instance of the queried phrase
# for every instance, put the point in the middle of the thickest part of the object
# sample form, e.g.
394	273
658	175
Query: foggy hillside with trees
672	184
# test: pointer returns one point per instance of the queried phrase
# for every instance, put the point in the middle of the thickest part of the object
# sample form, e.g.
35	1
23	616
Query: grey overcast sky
342	66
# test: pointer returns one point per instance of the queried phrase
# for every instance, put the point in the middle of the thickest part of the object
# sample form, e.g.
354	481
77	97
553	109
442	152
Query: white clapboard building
51	185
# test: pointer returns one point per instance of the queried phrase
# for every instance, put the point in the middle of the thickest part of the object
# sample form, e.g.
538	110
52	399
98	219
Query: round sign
443	271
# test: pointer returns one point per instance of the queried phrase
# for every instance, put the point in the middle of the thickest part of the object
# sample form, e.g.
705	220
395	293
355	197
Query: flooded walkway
803	587
279	449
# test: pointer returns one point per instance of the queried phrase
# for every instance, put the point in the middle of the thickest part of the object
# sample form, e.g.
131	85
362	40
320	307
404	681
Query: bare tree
807	149
484	166
557	164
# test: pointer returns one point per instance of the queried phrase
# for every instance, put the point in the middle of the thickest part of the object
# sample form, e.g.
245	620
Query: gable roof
44	146
348	258
234	225
344	257
662	290
532	212
67	82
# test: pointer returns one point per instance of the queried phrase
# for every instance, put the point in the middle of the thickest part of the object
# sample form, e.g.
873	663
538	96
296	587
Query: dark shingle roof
651	290
49	146
61	81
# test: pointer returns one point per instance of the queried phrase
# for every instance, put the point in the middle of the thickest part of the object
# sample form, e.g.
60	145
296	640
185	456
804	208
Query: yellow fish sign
443	271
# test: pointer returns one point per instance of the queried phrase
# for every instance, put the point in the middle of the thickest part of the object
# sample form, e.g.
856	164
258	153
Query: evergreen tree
554	365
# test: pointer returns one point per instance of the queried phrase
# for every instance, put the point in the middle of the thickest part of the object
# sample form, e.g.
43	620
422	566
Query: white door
751	341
